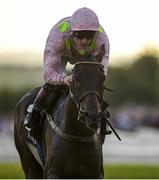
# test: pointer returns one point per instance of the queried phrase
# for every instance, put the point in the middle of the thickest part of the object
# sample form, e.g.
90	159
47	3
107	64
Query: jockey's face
83	39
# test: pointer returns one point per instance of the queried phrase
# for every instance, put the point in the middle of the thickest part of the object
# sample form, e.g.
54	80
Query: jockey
69	40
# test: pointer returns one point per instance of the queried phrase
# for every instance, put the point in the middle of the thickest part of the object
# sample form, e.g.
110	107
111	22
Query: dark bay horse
70	136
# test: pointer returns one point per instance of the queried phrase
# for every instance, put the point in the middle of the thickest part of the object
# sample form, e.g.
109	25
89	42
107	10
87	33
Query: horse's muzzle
92	121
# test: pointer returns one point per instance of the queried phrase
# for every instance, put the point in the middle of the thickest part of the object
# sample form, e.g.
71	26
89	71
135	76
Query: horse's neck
71	124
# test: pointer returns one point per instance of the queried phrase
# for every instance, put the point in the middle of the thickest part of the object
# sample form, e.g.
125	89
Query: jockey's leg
35	108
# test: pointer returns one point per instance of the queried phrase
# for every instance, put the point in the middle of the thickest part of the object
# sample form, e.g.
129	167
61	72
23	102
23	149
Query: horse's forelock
88	67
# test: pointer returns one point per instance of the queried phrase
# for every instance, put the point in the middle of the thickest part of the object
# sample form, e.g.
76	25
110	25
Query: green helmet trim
100	29
63	26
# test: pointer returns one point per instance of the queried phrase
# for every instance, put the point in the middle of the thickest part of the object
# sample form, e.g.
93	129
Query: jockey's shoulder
62	27
60	32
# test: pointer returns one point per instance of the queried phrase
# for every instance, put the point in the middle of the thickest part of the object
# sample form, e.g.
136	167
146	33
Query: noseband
81	112
88	93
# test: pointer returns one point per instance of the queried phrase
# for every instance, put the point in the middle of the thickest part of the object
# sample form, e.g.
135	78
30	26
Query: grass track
14	171
131	171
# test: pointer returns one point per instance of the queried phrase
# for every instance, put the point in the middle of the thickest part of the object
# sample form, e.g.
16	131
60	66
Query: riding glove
67	80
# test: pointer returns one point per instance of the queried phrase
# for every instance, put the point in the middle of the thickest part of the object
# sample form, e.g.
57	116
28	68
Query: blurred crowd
6	124
130	117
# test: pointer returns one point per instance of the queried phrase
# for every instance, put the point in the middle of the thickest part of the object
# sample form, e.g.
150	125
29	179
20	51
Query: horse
69	137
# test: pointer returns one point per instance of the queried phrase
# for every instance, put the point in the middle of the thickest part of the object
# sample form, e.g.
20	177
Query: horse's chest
77	159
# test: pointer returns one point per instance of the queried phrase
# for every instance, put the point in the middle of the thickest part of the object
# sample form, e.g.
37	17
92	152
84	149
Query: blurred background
133	74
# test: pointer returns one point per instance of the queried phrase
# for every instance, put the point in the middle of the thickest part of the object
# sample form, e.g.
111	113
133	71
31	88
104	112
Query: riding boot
34	109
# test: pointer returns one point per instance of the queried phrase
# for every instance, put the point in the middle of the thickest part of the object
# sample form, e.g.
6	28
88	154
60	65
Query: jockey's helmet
84	19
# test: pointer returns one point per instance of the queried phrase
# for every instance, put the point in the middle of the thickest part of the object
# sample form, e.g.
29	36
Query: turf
131	171
11	171
14	171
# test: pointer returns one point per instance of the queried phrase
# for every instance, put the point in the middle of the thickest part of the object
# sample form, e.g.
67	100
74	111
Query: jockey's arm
53	67
105	58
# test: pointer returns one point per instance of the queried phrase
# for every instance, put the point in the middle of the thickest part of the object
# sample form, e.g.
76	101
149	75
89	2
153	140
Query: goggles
84	34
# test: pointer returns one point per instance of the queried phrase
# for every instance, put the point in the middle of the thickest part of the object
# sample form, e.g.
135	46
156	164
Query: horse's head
87	91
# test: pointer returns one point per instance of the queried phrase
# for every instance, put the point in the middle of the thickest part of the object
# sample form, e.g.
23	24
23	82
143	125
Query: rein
68	136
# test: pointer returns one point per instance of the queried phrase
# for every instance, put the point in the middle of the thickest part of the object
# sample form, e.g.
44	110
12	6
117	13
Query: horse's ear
101	53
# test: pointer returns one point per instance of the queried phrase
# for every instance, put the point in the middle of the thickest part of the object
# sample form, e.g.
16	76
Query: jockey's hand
67	80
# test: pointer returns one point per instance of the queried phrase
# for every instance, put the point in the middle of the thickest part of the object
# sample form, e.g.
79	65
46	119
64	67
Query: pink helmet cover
84	19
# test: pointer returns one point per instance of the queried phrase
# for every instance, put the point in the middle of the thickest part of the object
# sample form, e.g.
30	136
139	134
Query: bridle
78	100
81	112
